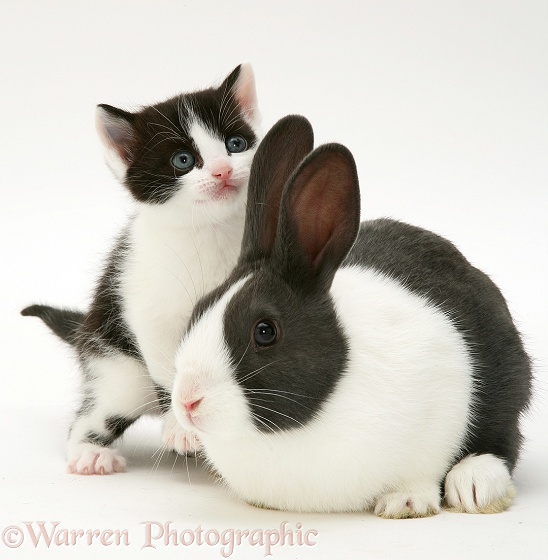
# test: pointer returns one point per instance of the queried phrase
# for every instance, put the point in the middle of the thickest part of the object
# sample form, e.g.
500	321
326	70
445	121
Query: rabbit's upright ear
286	144
319	218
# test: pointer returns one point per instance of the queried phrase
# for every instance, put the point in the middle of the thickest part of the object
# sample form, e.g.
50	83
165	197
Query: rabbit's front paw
479	484
403	505
177	438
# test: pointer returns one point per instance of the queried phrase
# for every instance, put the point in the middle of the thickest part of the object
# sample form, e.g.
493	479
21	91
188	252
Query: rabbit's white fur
479	484
385	437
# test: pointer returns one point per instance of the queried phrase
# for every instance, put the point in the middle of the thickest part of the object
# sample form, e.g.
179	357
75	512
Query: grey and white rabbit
346	366
186	162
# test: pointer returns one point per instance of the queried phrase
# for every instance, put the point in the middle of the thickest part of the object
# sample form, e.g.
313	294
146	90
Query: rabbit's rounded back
434	269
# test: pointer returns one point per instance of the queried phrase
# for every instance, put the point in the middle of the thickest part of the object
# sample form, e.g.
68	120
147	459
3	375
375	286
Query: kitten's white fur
181	250
385	437
120	386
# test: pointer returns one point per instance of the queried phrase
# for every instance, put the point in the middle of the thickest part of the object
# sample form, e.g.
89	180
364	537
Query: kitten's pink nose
191	405
221	170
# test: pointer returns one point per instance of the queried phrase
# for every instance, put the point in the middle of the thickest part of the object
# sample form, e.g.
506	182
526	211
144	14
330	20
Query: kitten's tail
65	323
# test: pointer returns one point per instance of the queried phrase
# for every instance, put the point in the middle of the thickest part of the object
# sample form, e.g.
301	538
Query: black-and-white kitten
186	162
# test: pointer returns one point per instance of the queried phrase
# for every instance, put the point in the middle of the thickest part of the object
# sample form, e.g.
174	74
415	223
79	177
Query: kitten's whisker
203	207
229	118
224	103
150	149
192	301
174	129
197	251
180	105
187	270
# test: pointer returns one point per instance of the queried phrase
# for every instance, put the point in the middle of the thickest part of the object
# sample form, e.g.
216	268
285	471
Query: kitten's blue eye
236	144
183	161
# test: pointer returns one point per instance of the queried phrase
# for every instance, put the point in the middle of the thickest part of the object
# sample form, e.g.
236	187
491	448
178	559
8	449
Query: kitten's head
191	153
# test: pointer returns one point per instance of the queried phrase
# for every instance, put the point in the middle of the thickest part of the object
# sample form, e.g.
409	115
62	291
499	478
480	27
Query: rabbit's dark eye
265	333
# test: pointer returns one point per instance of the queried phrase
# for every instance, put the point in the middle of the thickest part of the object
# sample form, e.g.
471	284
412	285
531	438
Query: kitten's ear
241	81
115	128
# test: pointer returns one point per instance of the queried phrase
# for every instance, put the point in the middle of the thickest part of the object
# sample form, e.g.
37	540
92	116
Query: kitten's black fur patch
164	398
115	426
104	328
87	406
161	130
104	440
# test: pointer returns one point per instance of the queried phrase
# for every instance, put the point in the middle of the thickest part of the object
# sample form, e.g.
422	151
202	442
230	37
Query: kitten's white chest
168	268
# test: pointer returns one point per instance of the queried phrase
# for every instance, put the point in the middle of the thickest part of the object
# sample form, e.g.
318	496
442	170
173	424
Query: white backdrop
444	105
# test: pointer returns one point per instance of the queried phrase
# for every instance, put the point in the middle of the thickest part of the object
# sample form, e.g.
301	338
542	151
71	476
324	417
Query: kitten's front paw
93	459
479	484
177	438
404	505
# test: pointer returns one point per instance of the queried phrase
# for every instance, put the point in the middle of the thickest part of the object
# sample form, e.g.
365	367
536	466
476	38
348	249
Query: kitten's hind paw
175	437
92	459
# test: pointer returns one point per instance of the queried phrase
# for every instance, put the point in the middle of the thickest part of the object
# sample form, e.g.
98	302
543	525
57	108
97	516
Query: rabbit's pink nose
190	406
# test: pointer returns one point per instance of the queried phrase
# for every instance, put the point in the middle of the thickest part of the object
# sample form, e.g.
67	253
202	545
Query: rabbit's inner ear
320	215
287	143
